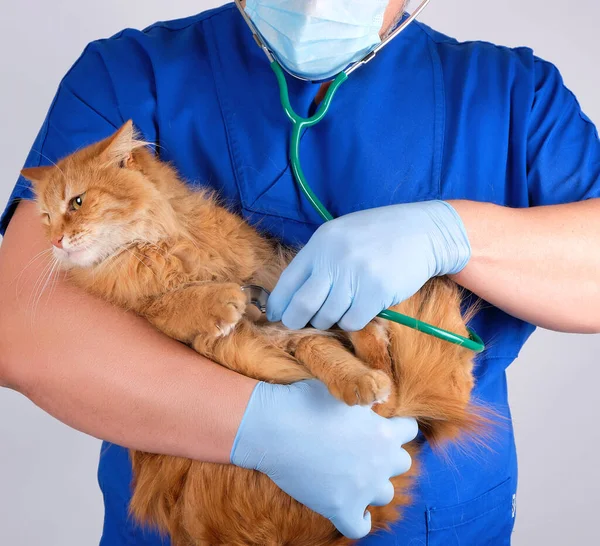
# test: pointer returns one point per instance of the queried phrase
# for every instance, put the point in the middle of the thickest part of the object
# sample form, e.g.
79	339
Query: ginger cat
128	230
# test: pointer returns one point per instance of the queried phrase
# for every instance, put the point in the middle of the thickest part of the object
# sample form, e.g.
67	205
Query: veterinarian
466	159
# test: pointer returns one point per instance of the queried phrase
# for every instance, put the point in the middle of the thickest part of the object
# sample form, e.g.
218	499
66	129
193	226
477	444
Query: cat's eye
76	202
45	218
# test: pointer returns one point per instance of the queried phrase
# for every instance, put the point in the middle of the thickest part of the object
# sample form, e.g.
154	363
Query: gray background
48	492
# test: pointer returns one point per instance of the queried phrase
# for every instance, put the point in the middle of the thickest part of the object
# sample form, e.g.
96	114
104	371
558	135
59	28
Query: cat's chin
76	258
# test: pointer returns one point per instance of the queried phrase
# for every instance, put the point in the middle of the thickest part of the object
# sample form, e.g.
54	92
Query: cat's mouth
86	254
82	257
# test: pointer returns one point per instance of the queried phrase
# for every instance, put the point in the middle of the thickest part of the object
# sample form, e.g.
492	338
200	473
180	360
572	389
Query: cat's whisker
45	285
39	288
145	241
156	248
82	248
139	260
135	232
52	162
39	255
53	279
108	265
38	282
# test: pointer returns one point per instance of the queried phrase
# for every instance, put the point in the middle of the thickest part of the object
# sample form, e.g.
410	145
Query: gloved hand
333	458
358	265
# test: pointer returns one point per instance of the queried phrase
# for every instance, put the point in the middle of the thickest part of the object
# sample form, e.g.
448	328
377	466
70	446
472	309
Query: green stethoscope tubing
299	124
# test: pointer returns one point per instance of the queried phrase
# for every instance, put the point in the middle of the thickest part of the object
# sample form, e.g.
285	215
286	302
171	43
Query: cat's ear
37	175
118	149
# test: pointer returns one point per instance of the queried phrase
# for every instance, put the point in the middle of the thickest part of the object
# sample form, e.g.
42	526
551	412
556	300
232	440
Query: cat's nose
58	241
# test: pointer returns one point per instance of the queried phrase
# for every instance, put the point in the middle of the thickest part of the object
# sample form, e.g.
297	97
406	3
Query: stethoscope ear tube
299	124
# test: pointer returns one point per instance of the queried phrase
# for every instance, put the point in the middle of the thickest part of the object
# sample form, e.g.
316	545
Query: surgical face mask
317	39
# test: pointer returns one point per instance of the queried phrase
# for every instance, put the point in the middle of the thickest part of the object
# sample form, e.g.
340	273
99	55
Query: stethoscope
299	124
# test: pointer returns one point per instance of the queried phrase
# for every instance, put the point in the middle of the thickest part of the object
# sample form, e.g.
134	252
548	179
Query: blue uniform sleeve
83	111
563	155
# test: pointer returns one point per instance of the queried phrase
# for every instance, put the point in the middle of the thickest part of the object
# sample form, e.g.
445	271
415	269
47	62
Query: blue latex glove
333	458
358	265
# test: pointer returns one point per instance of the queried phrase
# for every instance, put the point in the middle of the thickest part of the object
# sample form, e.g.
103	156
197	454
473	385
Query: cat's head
97	201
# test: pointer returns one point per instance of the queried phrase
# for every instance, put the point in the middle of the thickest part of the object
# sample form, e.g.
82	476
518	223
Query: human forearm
107	372
540	264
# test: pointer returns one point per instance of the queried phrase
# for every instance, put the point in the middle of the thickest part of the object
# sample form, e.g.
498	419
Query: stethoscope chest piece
257	296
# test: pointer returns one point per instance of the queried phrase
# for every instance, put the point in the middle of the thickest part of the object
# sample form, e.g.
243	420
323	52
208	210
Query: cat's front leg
212	309
347	378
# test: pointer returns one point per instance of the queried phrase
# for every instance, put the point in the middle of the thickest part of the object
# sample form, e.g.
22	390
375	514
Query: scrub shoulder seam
553	68
439	38
186	22
191	21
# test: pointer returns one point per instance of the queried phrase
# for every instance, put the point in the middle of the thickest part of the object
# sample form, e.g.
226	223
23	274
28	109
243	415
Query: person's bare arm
104	371
541	264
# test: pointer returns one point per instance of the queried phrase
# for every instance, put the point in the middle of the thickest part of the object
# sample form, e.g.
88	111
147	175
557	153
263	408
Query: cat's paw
372	387
227	307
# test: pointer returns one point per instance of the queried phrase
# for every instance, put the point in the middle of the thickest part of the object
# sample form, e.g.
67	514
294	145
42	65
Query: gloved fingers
384	496
401	463
335	307
353	526
306	302
292	278
362	311
406	428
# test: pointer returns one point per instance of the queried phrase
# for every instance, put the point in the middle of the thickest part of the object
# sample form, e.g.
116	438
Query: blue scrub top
430	118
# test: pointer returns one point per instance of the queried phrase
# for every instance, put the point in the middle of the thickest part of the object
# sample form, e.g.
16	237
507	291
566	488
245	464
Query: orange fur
145	241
